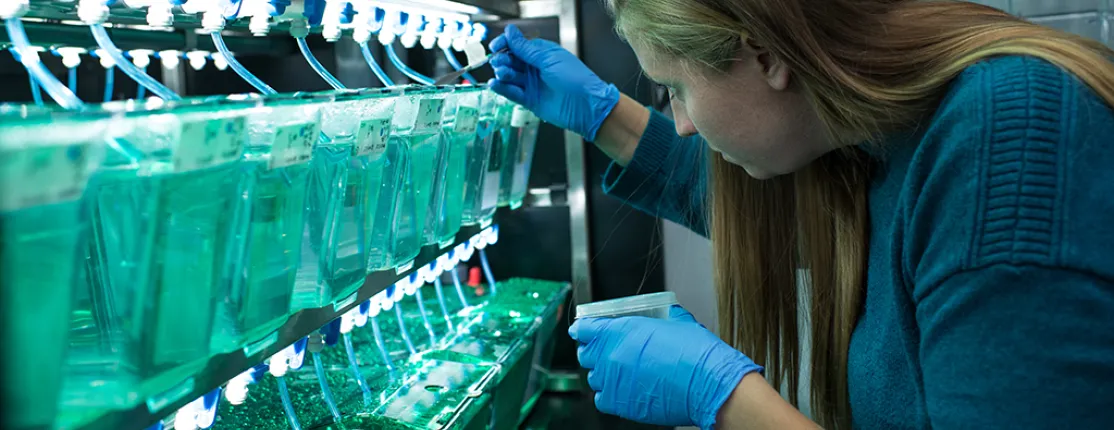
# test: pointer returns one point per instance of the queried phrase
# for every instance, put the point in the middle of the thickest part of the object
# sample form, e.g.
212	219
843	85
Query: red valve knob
474	277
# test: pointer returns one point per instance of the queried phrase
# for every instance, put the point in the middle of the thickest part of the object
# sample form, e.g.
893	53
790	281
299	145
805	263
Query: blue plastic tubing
355	365
328	393
287	405
316	65
487	271
130	69
71	80
441	301
57	90
375	68
403	331
382	345
425	318
36	92
141	91
459	288
255	82
110	83
410	73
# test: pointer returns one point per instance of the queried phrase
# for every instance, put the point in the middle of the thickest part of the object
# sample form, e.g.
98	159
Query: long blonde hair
869	67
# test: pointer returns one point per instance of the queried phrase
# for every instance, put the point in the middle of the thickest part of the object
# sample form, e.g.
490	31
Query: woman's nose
681	119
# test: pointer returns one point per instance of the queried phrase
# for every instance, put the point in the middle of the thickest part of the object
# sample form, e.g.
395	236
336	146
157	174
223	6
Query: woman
940	170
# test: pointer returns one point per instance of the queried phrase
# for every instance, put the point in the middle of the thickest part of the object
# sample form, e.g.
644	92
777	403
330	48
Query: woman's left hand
666	372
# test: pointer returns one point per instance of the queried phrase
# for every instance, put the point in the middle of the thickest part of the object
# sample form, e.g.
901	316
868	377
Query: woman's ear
774	69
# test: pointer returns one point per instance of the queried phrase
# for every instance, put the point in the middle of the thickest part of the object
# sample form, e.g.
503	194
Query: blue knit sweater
990	285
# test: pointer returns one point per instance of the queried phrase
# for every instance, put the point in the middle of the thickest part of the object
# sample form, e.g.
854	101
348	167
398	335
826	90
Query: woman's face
750	114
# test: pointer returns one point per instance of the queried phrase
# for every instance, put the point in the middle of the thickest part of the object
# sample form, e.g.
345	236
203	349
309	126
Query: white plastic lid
626	305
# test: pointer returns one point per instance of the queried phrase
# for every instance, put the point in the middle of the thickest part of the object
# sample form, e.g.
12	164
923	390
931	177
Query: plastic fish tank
46	159
335	249
519	138
481	184
415	143
164	208
373	132
280	141
459	128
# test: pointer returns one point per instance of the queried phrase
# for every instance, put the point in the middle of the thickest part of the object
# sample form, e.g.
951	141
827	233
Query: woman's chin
752	170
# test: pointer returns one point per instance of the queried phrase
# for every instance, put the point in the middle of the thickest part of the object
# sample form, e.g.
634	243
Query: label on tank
372	137
207	143
293	144
467	120
520	117
42	175
428	118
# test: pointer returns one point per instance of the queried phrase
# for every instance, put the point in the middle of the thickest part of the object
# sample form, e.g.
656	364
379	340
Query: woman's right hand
550	81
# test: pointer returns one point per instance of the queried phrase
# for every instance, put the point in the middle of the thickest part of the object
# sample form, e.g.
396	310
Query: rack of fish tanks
262	260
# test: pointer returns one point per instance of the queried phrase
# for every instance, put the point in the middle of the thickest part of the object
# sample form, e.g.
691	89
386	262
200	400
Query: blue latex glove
550	81
665	372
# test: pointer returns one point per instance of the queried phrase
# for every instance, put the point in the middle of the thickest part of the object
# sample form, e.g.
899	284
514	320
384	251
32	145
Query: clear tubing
61	95
487	271
456	64
316	65
355	365
382	345
402	328
459	289
58	91
425	319
287	405
71	80
239	68
130	69
325	391
110	83
441	301
36	92
141	91
375	68
410	73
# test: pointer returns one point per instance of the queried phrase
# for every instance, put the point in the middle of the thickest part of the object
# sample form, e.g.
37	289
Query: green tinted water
416	143
481	189
260	298
159	255
37	303
518	138
45	163
527	140
332	256
390	174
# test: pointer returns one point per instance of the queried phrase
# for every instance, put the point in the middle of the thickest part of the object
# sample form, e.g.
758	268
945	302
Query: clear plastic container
45	162
459	127
280	142
376	111
654	305
481	187
164	228
415	143
525	125
334	251
518	134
